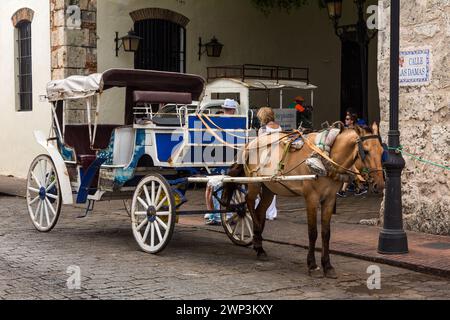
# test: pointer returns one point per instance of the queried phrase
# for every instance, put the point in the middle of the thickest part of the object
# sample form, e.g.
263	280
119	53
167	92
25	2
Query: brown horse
358	148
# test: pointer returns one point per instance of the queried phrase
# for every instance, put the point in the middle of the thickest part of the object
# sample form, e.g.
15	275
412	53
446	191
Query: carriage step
89	208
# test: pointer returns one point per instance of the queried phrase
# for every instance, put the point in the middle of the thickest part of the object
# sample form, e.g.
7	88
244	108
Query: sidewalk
13	186
428	253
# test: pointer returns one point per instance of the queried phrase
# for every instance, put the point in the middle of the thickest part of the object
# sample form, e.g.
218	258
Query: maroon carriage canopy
156	81
146	80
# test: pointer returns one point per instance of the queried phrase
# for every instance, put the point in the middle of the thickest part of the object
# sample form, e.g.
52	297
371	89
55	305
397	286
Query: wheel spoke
41	214
235	228
47	218
143	223
250	229
50	175
37	211
147	196
158	194
153	192
42	171
34	200
162	223
50	186
240	197
161	203
36	179
152	235
52	196
163	213
33	190
145	205
51	207
158	231
140	213
242	229
144	237
232	218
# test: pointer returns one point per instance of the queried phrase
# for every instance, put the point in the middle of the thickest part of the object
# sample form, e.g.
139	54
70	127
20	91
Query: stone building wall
424	113
73	49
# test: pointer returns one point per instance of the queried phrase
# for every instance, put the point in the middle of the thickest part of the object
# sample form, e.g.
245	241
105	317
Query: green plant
268	6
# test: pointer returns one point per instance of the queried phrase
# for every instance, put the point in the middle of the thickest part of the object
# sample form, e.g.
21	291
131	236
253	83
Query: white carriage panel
123	145
148	139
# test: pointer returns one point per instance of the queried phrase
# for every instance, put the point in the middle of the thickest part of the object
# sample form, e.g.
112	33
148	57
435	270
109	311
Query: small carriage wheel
43	194
153	214
238	223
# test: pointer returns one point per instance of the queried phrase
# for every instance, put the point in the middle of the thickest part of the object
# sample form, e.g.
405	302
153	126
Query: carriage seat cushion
77	137
142	97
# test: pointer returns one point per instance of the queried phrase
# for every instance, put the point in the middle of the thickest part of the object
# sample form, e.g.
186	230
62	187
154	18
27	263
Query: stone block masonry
73	50
424	113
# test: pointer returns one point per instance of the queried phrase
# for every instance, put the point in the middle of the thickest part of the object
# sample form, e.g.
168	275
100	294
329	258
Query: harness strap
287	147
323	155
208	128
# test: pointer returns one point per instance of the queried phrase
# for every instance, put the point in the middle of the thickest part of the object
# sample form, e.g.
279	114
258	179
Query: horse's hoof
261	254
330	274
315	273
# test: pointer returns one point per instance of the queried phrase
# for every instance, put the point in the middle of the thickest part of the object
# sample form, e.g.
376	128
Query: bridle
363	155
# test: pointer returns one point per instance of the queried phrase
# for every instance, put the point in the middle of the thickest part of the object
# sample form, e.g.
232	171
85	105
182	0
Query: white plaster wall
302	38
17	144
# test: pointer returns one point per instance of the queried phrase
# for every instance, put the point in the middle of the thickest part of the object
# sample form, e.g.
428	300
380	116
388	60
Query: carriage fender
61	169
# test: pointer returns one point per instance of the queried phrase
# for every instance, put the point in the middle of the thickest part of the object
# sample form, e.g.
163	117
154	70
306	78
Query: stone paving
198	264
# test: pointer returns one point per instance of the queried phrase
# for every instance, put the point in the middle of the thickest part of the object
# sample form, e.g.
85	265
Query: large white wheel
43	194
238	223
153	214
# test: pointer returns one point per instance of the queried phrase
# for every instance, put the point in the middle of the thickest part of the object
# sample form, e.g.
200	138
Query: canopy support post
281	99
88	110
55	118
97	110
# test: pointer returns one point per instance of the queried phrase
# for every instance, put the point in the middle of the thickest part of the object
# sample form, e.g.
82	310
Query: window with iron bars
24	67
163	46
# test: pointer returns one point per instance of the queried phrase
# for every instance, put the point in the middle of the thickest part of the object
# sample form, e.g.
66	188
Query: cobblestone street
199	263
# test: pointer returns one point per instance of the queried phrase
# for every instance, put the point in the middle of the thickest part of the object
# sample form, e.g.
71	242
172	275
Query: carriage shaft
227	179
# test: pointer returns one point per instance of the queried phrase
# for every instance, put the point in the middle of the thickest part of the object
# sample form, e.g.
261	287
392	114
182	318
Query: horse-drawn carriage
162	145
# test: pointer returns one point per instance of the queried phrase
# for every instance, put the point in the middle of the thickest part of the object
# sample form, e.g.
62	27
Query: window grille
25	89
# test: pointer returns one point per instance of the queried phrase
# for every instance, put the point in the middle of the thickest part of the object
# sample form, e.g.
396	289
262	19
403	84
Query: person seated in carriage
229	107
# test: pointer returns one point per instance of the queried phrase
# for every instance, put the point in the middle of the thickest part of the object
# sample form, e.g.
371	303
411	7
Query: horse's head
369	154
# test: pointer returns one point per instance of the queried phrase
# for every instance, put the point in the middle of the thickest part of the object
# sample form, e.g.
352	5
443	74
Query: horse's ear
375	129
359	130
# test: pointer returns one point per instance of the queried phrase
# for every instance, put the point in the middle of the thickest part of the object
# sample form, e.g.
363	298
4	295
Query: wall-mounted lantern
334	9
130	42
212	48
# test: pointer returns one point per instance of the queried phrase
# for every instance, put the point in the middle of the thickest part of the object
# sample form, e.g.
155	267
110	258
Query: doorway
351	79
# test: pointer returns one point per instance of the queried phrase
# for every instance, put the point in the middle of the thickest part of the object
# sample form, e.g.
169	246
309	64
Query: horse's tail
236	170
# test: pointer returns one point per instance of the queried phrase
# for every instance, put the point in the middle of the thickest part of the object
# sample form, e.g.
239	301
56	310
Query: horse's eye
366	152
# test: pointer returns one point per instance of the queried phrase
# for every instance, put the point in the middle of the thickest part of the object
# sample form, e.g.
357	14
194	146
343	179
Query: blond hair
266	115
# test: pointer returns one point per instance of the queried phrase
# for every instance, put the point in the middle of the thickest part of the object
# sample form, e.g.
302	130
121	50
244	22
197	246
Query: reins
293	136
326	157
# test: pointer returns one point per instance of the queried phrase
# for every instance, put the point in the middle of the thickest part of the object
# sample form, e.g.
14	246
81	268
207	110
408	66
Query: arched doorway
164	40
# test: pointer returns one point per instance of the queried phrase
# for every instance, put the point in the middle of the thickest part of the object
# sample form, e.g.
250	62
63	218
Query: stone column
424	113
73	46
